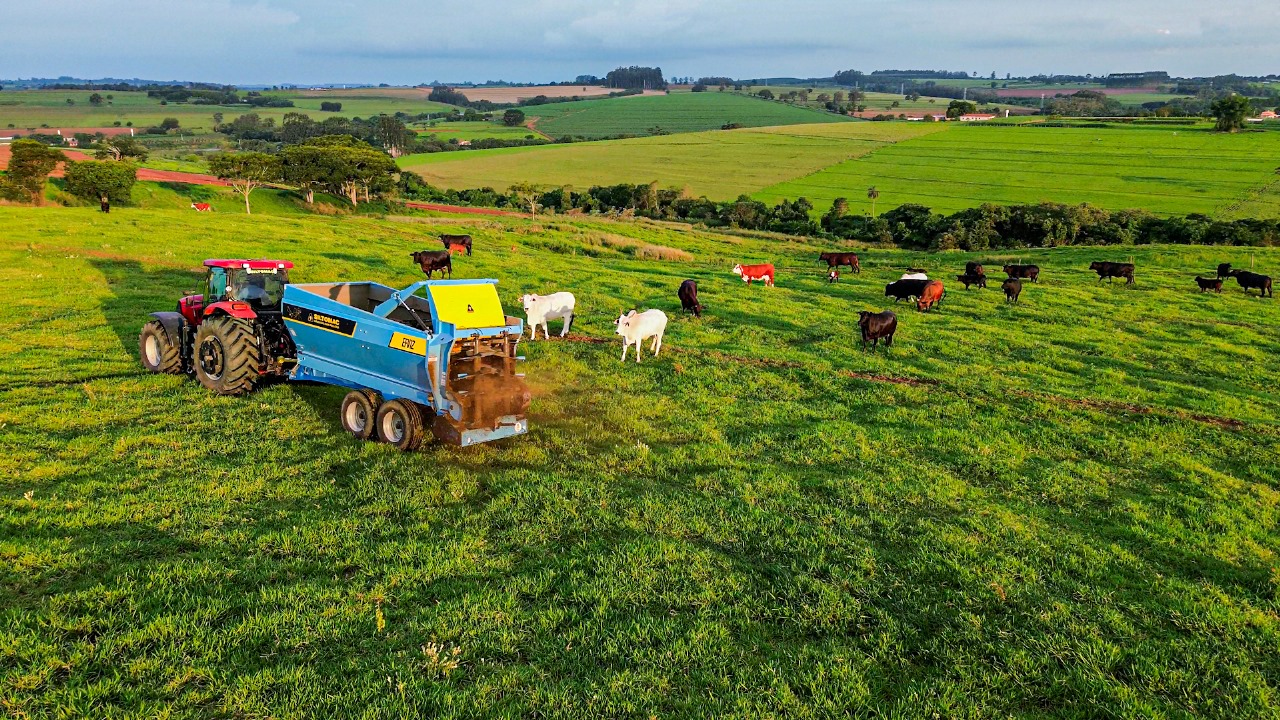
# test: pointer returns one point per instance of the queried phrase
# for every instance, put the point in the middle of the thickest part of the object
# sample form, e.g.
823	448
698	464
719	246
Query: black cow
970	279
1110	270
688	293
1030	272
1012	289
433	260
1224	270
1253	281
877	325
463	240
837	260
1207	284
905	289
974	268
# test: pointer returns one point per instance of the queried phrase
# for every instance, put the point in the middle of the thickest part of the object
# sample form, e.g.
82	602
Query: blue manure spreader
436	356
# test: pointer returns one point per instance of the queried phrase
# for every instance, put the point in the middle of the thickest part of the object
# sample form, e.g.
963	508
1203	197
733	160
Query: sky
404	42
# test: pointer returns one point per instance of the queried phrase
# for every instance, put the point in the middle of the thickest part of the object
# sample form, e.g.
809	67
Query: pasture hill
1061	508
1165	169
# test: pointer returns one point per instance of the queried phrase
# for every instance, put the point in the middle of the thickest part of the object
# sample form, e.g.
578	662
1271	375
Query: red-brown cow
201	207
931	295
755	272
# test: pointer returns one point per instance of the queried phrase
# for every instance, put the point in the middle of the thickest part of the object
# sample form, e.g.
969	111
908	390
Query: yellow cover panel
468	307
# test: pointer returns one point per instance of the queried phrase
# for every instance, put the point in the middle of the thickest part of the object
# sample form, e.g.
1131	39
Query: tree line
988	227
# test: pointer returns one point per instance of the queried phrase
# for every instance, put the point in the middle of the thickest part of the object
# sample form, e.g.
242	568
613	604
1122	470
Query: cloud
404	41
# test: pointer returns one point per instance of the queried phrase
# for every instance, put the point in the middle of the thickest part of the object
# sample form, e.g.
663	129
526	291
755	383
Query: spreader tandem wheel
227	359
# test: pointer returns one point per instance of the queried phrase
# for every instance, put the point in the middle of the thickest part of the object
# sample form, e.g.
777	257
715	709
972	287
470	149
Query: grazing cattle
755	272
1113	270
875	326
1012	289
1207	284
1224	270
904	289
833	276
932	295
451	241
969	279
1030	272
1253	281
837	260
914	276
688	293
635	327
433	261
201	207
538	309
974	268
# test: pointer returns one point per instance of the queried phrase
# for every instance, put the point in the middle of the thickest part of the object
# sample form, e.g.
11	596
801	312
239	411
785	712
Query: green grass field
475	131
1065	508
720	164
33	108
1169	170
676	113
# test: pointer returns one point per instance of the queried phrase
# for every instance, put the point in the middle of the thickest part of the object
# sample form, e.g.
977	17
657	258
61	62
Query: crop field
720	164
1167	170
34	108
516	94
675	113
1064	508
475	131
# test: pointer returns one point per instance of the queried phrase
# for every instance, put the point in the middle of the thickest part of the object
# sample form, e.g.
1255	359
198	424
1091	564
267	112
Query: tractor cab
260	283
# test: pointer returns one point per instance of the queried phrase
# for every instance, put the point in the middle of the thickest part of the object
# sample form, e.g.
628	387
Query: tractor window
217	290
262	288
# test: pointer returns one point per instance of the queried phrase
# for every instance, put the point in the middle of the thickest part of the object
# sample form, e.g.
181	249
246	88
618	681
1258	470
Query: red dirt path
143	173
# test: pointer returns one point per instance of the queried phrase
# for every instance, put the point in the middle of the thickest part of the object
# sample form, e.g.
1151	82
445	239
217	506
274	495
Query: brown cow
967	279
931	295
838	259
432	261
1012	289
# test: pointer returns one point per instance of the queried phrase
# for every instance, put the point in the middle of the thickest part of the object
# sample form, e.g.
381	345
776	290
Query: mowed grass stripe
676	113
1167	171
718	164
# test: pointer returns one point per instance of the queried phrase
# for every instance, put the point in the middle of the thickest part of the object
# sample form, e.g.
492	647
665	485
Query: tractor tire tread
170	359
242	357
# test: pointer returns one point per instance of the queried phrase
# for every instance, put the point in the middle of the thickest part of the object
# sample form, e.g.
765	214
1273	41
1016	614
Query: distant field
475	131
33	108
720	164
1168	170
516	94
678	112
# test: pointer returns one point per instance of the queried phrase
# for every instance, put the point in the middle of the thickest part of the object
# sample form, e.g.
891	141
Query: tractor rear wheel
400	424
158	353
358	414
226	358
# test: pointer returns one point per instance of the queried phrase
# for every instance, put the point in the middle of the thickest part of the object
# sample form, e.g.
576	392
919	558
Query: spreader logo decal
342	326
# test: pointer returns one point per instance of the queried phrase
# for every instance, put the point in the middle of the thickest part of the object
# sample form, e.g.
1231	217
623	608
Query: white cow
541	308
915	276
634	328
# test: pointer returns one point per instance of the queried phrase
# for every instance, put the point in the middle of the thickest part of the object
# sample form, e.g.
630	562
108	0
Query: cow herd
915	284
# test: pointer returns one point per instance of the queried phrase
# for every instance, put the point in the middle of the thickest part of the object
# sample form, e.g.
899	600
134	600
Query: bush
93	180
331	106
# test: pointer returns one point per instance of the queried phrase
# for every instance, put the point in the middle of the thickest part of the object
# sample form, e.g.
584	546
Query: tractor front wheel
158	353
400	424
226	357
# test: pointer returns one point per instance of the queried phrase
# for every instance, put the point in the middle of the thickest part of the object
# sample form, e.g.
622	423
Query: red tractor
231	337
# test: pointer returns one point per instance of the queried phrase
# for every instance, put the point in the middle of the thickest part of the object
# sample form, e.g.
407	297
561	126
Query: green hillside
1173	170
675	113
1063	508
